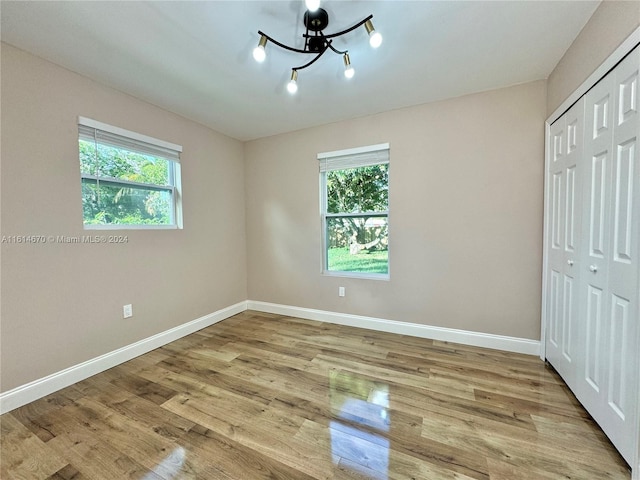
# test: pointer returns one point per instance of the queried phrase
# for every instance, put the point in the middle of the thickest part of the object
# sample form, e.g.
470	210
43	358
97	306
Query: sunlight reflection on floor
171	466
360	439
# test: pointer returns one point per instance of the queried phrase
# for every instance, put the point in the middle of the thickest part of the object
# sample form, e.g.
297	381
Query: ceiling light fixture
316	43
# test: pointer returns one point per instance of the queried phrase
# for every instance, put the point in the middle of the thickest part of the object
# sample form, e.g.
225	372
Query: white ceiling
194	57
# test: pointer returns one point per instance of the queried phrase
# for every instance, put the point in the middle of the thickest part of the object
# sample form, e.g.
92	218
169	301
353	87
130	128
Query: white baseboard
52	383
477	339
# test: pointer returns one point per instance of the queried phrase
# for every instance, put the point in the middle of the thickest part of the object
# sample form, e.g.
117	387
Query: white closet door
565	199
609	266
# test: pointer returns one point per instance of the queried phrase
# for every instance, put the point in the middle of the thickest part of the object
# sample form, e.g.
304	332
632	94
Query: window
129	180
355	211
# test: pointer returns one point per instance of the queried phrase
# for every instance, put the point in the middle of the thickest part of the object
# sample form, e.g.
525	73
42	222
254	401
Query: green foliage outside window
358	243
105	201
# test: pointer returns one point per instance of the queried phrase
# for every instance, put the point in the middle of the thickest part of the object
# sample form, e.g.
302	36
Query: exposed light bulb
349	72
312	5
292	86
259	53
375	38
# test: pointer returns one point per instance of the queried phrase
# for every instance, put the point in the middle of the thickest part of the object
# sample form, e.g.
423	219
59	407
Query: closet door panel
572	197
624	287
556	232
573	186
594	293
564	231
607	383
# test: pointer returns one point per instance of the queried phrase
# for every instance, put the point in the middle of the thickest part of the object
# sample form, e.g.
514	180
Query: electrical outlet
127	311
341	291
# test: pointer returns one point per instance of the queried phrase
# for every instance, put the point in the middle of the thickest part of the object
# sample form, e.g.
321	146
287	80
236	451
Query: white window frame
342	160
138	142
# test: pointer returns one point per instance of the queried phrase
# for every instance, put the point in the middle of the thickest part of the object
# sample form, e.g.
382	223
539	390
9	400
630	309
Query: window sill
362	276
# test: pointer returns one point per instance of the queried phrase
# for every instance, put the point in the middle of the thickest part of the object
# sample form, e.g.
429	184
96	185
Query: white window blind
354	158
93	131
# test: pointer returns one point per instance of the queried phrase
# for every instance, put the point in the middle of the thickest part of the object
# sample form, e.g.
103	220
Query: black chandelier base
316	21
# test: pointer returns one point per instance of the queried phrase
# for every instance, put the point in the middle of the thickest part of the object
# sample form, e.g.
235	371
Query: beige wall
466	186
62	304
610	25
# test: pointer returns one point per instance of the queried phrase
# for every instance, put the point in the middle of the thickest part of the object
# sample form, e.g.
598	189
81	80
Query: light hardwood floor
262	396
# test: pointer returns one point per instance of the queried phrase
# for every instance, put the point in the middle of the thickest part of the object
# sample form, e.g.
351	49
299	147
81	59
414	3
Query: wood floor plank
151	391
262	396
528	406
68	473
583	440
422	401
147	360
550	393
28	414
189	381
518	451
367	453
146	413
93	458
238	461
384	374
261	437
23	454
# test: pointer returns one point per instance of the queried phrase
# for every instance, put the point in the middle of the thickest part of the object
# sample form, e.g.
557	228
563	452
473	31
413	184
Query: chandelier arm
333	35
339	52
282	45
312	61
